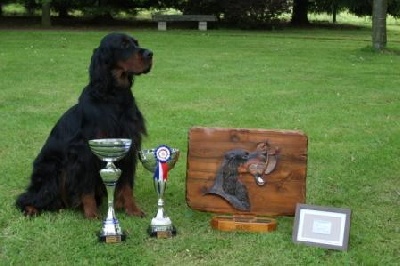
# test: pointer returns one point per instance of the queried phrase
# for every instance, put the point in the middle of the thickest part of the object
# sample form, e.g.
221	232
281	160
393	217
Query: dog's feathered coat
66	173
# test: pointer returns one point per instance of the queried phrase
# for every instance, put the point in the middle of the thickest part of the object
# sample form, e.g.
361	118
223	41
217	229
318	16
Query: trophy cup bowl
161	225
110	150
149	159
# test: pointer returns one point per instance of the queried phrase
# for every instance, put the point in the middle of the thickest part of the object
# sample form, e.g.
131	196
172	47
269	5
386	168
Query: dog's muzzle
146	53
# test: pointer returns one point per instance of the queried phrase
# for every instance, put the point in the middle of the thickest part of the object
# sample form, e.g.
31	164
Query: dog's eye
125	44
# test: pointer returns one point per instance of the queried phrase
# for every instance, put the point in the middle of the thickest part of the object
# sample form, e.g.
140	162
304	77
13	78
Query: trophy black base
112	238
161	231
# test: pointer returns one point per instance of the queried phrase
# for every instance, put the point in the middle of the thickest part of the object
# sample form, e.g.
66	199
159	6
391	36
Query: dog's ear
99	69
239	155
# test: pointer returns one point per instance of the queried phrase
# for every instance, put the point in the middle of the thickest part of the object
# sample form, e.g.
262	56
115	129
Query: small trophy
160	161
110	150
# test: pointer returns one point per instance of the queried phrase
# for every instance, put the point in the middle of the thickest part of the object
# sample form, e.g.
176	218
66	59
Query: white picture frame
321	226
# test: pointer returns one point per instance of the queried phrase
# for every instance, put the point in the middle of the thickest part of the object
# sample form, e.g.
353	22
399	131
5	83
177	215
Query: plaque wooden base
243	224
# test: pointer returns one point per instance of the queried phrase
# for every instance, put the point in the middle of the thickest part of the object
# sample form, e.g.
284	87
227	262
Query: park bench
202	19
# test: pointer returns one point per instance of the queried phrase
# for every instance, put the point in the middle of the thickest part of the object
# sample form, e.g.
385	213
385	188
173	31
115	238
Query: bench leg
202	25
162	25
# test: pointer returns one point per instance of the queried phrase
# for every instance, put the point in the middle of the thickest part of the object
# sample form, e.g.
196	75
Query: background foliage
235	13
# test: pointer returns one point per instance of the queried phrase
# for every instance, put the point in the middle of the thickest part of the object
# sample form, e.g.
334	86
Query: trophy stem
160	187
160	211
110	199
111	231
161	225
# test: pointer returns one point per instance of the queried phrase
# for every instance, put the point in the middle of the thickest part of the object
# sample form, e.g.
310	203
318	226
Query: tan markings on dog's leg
118	199
30	211
125	195
89	206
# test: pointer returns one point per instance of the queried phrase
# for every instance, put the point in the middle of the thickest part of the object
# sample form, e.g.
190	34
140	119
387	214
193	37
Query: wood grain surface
284	188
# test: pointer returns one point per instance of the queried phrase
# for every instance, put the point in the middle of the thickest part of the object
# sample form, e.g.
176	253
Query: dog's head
117	60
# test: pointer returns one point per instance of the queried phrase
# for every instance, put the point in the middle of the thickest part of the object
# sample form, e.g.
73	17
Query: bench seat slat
199	18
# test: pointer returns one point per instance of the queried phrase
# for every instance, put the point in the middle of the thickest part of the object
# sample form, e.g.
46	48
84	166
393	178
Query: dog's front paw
130	207
89	206
124	199
31	211
135	212
91	214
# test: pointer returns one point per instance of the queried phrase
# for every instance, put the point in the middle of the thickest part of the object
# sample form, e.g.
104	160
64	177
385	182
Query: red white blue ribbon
163	155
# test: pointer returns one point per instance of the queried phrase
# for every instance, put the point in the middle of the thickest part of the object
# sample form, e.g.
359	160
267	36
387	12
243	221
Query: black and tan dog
66	173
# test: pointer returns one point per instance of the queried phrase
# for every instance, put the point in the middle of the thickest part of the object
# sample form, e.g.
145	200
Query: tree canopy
248	14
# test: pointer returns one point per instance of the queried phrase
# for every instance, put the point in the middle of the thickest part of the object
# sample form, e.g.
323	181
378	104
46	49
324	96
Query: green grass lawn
325	82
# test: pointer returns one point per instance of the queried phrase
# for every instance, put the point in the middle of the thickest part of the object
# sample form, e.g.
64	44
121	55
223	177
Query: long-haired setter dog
66	173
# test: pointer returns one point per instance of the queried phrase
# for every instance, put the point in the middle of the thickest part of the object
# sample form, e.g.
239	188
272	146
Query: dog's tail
31	203
39	197
43	193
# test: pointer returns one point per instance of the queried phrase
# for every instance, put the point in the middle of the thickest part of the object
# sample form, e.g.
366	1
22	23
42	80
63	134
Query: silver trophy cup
110	150
161	225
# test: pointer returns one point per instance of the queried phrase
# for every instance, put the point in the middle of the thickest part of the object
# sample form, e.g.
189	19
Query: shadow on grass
386	51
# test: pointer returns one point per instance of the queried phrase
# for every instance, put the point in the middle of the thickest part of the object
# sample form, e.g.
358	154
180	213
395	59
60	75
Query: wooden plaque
285	174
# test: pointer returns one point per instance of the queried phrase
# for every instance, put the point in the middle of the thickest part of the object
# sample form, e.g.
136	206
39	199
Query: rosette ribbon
163	155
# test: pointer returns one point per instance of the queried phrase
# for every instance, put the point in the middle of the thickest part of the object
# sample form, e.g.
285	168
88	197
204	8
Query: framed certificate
321	226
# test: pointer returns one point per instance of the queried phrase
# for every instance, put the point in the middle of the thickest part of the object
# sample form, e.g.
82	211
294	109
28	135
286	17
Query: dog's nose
147	53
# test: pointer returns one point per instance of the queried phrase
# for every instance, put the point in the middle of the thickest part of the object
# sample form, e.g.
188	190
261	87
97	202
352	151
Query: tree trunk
300	12
379	38
46	21
63	12
334	13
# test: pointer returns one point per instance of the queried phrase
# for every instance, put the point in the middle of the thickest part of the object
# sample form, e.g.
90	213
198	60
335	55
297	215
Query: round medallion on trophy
163	153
